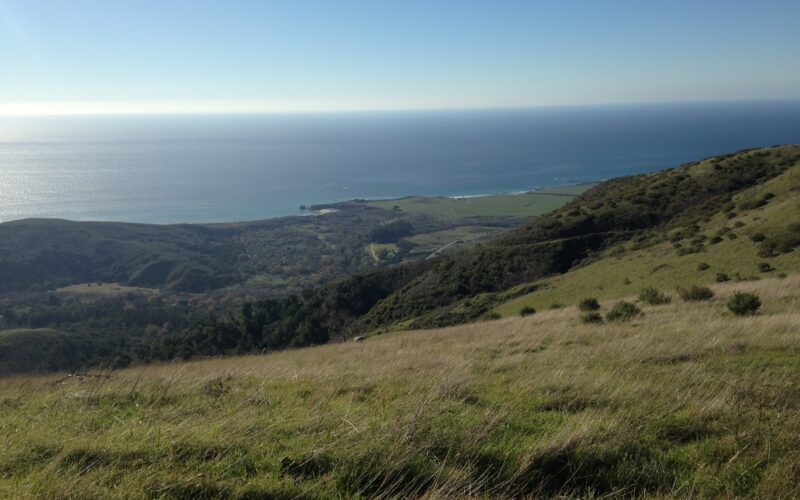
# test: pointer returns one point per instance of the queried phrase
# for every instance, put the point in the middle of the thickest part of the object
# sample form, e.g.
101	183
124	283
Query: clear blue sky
400	54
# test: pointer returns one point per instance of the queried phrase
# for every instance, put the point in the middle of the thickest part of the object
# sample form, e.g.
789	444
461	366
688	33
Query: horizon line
122	108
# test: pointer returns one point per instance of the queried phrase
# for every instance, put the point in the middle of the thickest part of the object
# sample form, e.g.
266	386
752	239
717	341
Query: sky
126	56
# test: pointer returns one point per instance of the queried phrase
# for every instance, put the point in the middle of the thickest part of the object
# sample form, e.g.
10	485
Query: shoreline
320	209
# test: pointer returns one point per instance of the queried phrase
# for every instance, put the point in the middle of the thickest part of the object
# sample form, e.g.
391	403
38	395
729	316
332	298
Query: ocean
216	168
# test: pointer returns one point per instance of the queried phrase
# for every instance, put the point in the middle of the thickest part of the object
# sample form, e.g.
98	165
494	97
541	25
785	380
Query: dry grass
688	400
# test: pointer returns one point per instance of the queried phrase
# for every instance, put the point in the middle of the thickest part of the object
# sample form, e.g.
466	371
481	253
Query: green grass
624	271
686	401
518	205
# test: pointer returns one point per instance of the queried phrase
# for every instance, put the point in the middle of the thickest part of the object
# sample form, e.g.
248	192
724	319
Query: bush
723	277
623	311
744	303
652	296
591	318
527	311
589	304
695	293
765	267
758	237
702	266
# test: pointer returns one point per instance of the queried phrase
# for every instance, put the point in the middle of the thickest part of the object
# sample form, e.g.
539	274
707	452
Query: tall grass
687	401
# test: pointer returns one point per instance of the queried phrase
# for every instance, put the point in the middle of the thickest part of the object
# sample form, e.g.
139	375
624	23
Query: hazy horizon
94	57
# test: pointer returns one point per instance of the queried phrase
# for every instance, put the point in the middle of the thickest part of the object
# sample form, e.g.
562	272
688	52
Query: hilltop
687	400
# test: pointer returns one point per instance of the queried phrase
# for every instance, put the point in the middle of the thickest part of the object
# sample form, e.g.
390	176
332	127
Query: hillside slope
686	401
751	237
639	210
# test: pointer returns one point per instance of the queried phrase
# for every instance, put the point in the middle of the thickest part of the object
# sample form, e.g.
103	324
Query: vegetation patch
652	296
744	303
623	311
696	293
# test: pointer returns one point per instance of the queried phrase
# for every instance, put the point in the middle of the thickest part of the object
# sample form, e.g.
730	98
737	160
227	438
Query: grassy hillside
687	401
727	245
637	211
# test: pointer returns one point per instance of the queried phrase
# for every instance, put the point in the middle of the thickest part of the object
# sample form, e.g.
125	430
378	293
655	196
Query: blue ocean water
210	168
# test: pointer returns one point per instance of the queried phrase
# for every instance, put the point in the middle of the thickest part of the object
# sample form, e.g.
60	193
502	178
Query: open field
688	400
517	205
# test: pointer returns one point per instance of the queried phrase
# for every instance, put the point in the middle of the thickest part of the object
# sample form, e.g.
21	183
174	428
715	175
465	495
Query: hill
272	256
730	217
645	212
687	400
637	211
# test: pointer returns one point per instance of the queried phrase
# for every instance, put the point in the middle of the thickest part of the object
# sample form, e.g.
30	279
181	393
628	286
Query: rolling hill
687	400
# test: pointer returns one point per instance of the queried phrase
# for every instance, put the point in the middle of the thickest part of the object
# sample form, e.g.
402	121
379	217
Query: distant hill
271	256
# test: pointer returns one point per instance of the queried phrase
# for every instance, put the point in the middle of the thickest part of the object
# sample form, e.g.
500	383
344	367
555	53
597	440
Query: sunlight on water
233	167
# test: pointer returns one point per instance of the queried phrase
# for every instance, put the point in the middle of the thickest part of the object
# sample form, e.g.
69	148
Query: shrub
702	266
652	296
623	311
589	304
758	237
765	267
695	293
715	240
723	277
593	317
744	303
527	311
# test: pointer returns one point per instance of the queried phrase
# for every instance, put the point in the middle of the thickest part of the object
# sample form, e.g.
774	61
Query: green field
517	205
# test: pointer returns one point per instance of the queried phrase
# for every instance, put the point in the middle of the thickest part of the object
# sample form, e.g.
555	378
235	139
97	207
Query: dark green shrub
765	267
623	311
555	305
723	277
715	240
527	311
695	293
589	304
593	317
744	303
758	237
652	296
702	266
